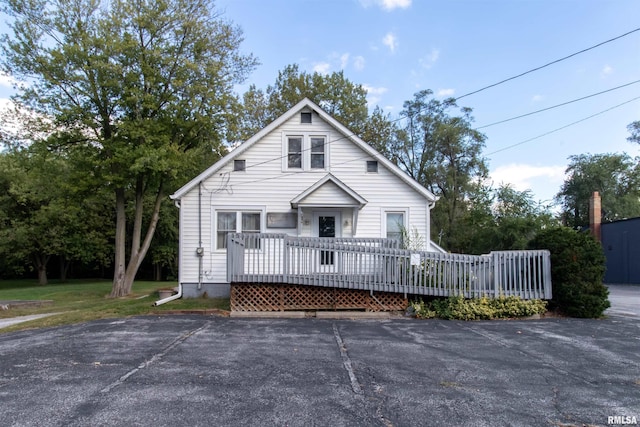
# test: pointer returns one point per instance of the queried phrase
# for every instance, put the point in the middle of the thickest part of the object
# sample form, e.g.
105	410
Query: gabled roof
347	134
339	192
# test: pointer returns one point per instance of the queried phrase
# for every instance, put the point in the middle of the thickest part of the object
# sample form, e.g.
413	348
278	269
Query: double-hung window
294	152
305	152
395	224
317	152
235	222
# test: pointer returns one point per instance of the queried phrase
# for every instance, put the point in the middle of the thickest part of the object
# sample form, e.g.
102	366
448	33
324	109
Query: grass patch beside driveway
80	301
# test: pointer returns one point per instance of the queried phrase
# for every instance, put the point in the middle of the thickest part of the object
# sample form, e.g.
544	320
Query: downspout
171	298
200	249
179	294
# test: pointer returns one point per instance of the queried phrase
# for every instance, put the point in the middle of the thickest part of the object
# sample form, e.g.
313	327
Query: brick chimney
595	215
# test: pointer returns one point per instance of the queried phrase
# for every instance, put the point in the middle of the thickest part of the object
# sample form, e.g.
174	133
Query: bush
577	271
459	308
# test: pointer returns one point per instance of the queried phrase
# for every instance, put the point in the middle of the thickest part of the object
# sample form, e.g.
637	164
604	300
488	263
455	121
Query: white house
305	174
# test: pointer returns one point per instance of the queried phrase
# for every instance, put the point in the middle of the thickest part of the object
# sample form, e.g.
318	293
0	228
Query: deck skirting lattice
278	297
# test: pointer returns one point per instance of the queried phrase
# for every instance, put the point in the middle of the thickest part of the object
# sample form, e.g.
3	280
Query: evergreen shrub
577	271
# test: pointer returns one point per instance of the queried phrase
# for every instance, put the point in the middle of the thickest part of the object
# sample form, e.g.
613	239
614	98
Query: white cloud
358	63
537	98
374	94
543	181
445	92
344	60
391	41
429	60
387	5
322	67
393	4
607	70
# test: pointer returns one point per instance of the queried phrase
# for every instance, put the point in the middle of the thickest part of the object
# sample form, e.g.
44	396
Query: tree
43	214
502	219
634	129
146	88
442	152
337	95
615	176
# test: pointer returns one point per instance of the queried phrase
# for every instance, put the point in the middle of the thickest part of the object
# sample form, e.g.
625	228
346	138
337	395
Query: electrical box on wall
200	251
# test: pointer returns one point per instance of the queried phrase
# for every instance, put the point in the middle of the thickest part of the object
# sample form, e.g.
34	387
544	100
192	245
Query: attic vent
305	117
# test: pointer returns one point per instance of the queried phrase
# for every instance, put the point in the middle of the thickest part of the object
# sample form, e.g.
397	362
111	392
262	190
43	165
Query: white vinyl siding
268	186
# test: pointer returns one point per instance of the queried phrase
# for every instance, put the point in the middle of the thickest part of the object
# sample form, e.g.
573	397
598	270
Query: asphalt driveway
205	371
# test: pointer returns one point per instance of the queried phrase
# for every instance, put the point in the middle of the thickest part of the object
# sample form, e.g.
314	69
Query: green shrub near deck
577	271
460	308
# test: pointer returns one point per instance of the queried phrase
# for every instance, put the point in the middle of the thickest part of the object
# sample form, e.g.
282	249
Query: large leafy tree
145	85
45	213
438	147
615	176
344	100
502	219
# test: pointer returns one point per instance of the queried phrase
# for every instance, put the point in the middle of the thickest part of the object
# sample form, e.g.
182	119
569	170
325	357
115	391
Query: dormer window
305	117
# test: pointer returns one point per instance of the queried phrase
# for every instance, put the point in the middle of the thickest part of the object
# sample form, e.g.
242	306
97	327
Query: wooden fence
380	265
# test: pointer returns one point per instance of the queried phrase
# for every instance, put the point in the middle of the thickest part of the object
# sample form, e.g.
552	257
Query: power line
557	105
561	128
480	90
548	64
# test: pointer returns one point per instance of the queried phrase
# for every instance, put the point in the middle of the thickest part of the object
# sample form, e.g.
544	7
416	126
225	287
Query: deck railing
380	265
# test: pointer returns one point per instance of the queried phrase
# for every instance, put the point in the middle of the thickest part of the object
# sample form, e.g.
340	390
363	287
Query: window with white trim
394	223
294	152
236	222
305	152
372	166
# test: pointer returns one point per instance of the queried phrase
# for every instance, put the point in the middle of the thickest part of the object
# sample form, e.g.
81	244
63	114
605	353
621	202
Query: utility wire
557	105
561	128
483	89
548	64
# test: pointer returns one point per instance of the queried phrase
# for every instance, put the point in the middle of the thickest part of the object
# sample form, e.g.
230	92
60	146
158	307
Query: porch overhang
330	192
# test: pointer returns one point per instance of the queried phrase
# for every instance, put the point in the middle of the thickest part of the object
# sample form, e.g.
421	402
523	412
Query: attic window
239	165
305	117
372	166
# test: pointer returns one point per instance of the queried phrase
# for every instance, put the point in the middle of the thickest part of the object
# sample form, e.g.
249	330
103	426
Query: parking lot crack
156	357
346	362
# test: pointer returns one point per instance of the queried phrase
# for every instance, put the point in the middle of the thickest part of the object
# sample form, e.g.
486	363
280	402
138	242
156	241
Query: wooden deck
379	266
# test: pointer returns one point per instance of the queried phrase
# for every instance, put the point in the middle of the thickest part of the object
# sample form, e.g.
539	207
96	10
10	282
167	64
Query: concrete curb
353	315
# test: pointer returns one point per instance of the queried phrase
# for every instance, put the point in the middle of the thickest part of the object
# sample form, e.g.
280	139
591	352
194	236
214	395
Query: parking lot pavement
203	371
625	301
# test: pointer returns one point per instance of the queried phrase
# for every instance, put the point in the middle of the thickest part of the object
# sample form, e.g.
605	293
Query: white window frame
306	151
238	211
383	218
366	166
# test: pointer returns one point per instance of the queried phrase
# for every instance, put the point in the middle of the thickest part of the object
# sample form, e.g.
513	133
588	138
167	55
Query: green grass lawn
79	301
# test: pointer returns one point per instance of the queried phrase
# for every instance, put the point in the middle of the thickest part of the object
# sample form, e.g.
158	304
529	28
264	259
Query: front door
327	224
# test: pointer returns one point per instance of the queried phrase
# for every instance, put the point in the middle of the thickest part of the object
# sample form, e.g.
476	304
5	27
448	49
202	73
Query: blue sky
398	47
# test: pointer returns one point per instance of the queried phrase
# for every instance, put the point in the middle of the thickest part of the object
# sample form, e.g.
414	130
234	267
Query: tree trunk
41	266
119	288
125	273
157	272
64	268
